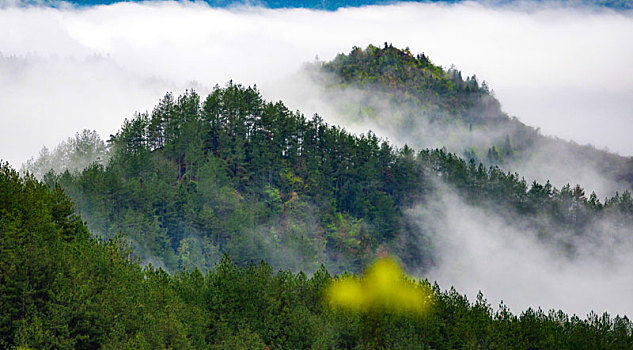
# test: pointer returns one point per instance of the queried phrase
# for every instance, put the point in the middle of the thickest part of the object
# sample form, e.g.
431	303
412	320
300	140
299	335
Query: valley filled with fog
562	70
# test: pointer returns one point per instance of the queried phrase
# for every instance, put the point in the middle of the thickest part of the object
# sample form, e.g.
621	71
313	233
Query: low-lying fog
565	70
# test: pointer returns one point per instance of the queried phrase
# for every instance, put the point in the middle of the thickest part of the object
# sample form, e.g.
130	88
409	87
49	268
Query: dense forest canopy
63	289
235	174
413	101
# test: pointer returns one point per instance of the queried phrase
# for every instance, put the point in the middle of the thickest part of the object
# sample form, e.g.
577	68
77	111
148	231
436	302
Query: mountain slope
413	101
236	174
61	289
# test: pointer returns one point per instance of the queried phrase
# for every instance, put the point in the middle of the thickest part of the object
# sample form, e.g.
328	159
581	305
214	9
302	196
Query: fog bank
478	250
566	70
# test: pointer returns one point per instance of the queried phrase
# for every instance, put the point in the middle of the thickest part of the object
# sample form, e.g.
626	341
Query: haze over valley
482	146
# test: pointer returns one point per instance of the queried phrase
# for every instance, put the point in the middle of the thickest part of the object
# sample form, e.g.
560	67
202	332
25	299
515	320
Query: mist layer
566	70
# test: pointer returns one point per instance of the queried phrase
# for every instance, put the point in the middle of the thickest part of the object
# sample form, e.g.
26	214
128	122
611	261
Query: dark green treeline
239	175
426	96
235	174
62	289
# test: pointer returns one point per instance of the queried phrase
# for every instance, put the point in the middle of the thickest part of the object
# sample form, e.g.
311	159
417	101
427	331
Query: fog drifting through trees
95	76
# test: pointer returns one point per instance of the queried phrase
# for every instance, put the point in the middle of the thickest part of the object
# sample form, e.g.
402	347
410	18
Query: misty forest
224	221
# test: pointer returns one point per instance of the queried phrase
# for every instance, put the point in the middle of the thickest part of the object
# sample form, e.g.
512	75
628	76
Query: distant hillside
424	105
235	174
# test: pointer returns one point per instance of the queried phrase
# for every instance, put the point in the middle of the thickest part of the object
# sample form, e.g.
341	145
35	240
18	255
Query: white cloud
565	70
478	250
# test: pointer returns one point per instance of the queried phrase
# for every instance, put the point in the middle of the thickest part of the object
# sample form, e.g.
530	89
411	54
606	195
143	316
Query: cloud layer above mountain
63	69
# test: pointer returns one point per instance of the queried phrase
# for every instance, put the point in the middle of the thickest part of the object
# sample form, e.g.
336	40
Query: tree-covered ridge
62	289
426	99
235	171
462	114
416	79
235	174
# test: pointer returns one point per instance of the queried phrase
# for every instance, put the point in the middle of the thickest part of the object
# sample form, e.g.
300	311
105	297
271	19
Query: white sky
567	71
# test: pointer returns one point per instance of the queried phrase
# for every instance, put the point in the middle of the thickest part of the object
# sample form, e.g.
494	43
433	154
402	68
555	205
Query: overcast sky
567	71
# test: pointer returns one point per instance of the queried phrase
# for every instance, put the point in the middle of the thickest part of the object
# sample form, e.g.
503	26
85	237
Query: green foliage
62	289
415	79
238	175
425	104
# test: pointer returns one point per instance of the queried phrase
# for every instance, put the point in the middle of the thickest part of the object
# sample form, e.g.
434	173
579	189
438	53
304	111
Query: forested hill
417	102
62	289
235	174
416	79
